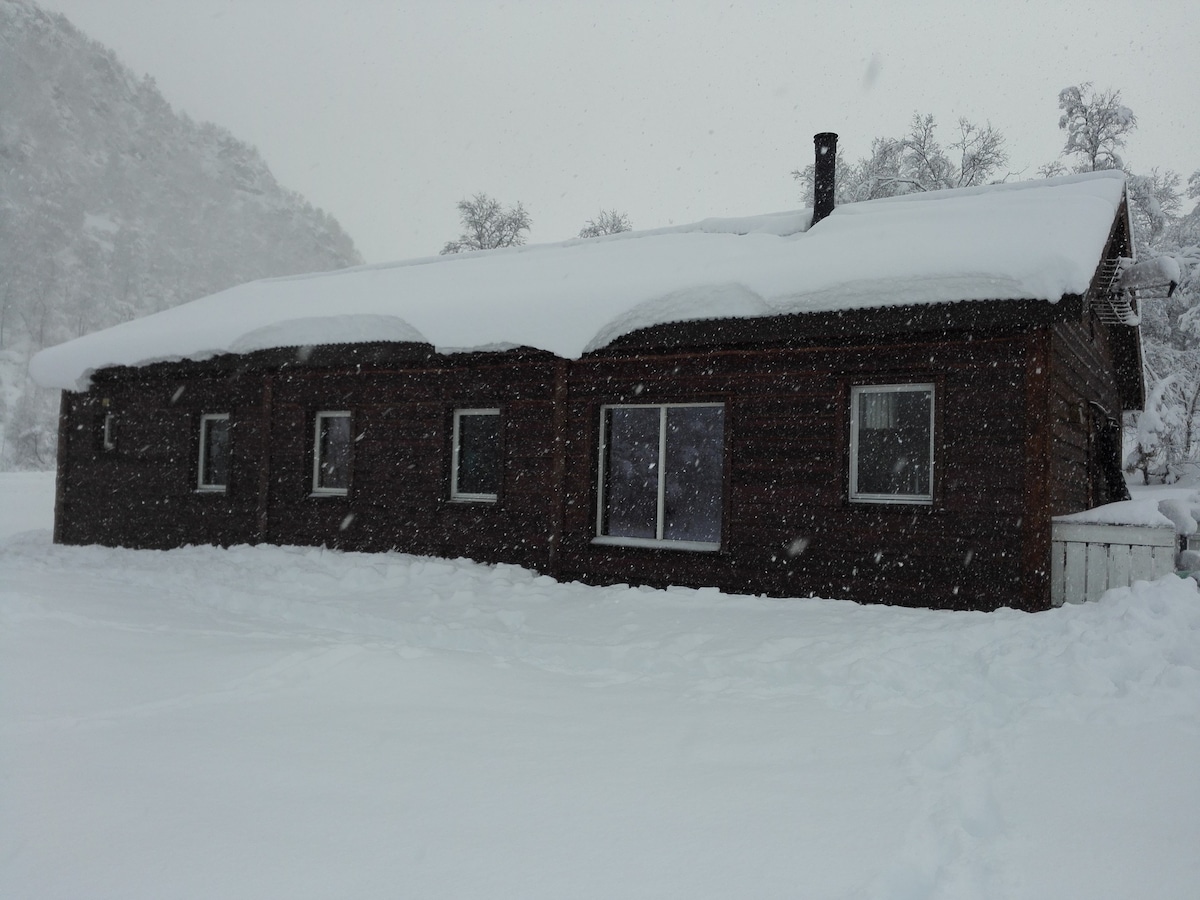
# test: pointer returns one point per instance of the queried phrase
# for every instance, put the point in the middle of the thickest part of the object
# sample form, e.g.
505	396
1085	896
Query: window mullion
602	474
662	465
454	453
316	466
203	451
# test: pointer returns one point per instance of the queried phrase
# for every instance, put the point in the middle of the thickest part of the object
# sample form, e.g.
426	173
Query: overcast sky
386	114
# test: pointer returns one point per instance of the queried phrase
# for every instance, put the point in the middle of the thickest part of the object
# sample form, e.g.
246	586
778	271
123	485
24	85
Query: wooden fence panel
1087	559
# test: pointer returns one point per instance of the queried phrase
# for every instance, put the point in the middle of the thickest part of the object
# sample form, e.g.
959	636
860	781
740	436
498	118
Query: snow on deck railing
1119	543
1088	559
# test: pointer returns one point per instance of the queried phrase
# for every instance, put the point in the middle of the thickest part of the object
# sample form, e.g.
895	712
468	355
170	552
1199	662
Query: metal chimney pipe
824	177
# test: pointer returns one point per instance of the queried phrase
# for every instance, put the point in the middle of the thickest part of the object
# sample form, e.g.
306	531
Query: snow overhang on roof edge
1029	240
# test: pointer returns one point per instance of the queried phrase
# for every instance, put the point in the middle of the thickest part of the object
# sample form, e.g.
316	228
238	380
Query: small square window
331	453
891	443
476	466
213	469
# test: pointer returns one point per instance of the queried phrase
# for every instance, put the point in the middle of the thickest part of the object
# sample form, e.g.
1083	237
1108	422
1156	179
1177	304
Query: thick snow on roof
1033	240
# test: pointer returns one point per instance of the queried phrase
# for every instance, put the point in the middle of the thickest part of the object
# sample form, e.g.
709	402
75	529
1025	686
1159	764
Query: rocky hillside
113	205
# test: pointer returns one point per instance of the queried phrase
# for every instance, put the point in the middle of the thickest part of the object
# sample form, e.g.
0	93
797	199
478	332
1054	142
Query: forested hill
113	205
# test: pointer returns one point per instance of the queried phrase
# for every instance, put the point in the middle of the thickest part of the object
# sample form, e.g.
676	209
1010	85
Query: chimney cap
824	140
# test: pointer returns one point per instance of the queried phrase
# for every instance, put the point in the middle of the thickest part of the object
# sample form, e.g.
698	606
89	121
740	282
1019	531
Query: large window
213	468
891	443
475	466
331	453
661	475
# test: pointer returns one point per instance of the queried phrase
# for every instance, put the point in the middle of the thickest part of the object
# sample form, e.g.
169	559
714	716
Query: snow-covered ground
296	723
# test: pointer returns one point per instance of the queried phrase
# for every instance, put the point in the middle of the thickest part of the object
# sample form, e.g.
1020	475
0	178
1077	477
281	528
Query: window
108	436
661	475
331	453
891	443
213	470
475	465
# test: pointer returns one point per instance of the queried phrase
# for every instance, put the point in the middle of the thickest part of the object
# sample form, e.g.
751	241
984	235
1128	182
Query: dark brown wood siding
143	492
1083	395
1011	449
789	528
399	495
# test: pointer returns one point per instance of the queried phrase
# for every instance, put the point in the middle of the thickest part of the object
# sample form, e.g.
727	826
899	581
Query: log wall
1083	392
789	528
1011	450
143	492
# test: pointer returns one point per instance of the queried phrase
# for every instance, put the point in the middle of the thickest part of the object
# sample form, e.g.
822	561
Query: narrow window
108	439
661	475
213	470
331	453
475	466
891	443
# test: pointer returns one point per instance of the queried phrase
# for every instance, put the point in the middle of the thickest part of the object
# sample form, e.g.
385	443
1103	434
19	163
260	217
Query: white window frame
659	541
201	485
317	489
857	391
455	493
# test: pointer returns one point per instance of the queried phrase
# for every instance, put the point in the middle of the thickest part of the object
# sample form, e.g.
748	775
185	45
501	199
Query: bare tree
981	153
924	164
487	225
882	173
1097	124
608	222
1053	169
845	179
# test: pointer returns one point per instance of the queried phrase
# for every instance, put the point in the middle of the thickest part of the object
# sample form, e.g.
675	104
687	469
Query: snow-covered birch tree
1097	124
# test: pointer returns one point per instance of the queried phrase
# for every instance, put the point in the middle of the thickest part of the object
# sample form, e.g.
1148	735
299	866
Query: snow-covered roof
1032	240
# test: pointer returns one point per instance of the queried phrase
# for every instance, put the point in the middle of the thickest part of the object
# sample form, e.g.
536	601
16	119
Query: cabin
885	402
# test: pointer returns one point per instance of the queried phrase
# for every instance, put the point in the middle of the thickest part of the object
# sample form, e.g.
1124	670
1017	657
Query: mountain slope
112	205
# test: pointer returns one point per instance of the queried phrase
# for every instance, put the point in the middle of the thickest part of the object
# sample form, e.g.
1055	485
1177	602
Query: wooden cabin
888	405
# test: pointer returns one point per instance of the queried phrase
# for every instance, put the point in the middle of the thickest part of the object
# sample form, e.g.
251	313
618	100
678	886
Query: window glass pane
333	449
694	473
478	454
216	452
631	473
894	442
